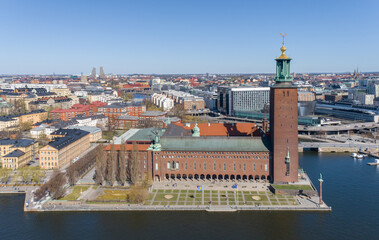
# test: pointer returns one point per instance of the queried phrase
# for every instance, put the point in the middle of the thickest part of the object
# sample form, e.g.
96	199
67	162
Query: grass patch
113	195
76	191
292	187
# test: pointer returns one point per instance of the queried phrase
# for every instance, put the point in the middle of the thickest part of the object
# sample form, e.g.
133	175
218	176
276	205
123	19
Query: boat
354	155
360	156
374	163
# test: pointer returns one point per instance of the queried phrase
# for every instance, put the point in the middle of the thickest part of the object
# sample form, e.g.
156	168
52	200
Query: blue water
350	187
139	96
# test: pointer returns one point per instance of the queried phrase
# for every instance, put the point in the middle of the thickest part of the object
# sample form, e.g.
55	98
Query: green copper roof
229	144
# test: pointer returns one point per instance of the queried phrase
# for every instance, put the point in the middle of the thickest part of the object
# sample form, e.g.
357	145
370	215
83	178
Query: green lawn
292	187
76	191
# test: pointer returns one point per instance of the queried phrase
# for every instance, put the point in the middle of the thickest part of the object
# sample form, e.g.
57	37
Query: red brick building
116	110
76	109
223	151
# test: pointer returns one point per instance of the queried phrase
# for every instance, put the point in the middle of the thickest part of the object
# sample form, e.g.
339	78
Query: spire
283	72
283	48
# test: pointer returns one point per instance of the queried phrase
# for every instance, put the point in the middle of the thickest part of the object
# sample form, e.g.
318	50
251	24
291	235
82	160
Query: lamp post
321	181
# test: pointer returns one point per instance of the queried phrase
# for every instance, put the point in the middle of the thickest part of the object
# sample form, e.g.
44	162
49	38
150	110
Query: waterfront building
227	151
16	153
67	144
348	111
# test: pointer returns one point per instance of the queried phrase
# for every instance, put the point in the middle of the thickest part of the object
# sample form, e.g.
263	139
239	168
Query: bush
137	194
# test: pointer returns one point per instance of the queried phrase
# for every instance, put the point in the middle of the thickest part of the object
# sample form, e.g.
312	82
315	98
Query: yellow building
33	117
8	123
66	146
61	92
16	153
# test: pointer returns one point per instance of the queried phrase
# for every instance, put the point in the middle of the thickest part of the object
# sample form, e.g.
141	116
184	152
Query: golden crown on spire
283	48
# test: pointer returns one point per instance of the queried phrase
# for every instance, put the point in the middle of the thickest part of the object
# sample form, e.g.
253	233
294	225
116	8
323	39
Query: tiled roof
224	129
128	147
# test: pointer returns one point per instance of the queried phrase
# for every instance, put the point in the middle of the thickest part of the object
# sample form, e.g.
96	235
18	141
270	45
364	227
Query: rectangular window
185	165
214	166
156	167
266	167
205	166
224	166
244	166
168	165
234	166
177	165
194	166
254	167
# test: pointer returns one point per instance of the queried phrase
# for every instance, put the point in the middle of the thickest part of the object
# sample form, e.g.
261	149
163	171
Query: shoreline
84	207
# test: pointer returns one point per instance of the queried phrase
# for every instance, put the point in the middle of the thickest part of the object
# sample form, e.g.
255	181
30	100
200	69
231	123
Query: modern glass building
232	100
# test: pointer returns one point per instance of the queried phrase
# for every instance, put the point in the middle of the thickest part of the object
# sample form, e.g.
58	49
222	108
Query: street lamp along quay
321	181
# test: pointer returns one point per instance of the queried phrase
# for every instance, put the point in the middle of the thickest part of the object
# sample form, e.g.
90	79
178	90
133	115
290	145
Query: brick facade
284	134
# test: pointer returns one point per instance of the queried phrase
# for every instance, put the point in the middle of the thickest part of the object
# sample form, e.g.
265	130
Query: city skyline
186	38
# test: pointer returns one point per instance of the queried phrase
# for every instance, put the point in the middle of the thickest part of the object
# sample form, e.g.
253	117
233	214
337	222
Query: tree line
78	168
118	166
54	187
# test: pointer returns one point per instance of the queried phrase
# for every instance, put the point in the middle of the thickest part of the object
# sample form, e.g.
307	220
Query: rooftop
153	113
222	144
70	136
17	142
15	153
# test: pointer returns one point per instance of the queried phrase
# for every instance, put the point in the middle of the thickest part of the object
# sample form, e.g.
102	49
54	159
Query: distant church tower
283	123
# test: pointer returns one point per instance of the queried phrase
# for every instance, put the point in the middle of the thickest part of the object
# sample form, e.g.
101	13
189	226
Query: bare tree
54	187
122	164
112	165
134	168
100	165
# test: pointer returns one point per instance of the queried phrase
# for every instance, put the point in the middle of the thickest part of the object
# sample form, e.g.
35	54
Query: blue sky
44	37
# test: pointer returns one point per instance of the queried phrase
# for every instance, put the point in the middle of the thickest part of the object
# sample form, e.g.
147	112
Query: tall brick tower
283	123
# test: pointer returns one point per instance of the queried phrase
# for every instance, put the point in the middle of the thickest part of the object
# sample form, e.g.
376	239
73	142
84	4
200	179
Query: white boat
354	155
374	163
360	156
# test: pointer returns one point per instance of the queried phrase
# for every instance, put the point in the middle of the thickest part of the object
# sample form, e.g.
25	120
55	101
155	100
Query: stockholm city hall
231	151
